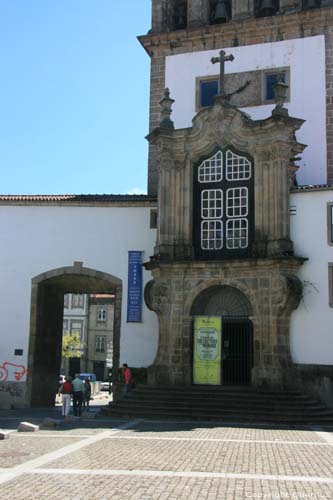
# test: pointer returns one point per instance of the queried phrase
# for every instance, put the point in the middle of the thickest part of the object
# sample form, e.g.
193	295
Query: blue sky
74	97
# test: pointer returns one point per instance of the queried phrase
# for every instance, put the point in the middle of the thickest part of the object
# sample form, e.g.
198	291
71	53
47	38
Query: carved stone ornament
165	161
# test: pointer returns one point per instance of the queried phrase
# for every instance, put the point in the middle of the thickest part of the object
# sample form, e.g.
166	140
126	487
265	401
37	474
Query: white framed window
212	204
66	300
238	168
100	343
77	327
65	326
101	315
211	234
237	202
237	233
77	301
210	170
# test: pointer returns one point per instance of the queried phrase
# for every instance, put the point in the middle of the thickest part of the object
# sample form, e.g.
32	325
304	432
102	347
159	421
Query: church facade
238	273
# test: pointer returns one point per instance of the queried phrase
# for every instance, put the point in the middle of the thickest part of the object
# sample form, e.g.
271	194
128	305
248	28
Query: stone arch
222	300
46	320
204	287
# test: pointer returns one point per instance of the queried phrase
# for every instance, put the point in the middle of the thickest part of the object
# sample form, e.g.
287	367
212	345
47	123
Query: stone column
242	9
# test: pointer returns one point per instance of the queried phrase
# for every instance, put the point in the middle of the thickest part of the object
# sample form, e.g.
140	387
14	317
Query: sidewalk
108	459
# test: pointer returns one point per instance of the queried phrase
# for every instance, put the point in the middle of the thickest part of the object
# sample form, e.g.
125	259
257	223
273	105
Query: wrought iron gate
237	350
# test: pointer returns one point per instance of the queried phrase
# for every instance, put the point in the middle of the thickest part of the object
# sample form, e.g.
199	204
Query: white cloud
137	190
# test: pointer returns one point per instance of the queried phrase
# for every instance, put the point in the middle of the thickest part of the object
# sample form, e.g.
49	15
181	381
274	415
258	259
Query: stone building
223	166
92	318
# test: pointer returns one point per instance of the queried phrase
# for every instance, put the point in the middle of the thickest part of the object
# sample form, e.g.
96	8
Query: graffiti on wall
10	371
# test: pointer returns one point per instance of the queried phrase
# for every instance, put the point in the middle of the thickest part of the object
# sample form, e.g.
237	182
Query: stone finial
166	104
280	96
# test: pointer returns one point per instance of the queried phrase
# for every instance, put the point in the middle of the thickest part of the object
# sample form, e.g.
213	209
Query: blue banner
134	290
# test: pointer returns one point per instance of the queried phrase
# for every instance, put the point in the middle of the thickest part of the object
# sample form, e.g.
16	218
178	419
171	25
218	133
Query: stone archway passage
236	343
46	324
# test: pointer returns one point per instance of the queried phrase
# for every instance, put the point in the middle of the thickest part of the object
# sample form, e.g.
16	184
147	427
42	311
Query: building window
237	233
77	301
65	326
77	327
238	168
153	218
211	170
211	235
330	223
262	80
100	343
66	300
330	283
272	77
223	214
211	204
101	315
208	89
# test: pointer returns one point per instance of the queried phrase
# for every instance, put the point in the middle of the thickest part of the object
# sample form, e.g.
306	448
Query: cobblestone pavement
100	459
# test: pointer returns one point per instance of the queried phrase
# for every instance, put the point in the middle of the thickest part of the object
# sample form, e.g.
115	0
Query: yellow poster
207	350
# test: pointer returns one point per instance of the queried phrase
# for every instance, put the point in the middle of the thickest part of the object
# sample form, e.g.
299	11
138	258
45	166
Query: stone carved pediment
218	125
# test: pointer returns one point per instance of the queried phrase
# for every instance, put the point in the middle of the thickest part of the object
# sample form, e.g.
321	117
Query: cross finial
222	59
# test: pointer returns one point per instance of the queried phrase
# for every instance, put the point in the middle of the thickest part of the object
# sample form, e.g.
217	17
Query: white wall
306	59
312	323
37	239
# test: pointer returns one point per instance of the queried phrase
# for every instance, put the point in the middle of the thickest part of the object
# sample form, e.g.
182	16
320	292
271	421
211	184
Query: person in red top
128	377
66	390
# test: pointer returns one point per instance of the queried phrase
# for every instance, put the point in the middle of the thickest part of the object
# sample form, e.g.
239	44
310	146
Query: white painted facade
311	329
38	239
306	59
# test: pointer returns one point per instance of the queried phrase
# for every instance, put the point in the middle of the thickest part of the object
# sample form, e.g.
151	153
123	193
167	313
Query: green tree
71	345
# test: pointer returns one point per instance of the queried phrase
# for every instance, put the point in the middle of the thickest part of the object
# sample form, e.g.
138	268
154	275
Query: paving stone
27	427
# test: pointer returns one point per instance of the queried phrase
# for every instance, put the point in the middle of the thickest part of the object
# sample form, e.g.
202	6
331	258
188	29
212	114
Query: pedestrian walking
78	392
66	390
87	394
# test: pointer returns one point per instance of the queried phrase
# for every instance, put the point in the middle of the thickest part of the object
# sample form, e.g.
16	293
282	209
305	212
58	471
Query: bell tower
224	150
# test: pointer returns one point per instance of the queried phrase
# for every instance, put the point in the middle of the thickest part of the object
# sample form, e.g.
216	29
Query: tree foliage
71	345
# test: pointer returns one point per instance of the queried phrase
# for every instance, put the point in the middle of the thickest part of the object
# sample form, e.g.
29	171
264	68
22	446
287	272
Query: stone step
221	416
237	404
223	399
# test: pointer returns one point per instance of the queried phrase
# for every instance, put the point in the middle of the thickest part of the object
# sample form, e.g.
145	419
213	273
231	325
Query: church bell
267	8
221	12
310	4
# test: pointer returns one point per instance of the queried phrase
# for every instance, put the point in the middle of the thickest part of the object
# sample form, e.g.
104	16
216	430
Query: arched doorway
46	324
235	339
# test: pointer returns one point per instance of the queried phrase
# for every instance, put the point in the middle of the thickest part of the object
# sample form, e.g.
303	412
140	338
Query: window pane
210	170
237	167
211	235
211	204
208	90
271	80
237	202
331	223
237	233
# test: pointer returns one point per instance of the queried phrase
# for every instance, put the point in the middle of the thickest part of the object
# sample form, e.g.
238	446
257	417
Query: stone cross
222	59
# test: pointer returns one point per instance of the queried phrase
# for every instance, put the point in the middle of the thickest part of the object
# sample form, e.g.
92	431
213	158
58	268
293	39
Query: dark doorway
237	350
99	370
234	308
74	366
